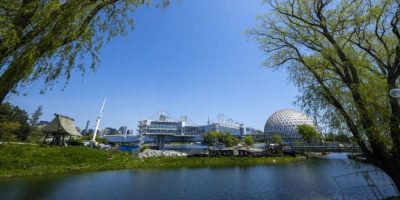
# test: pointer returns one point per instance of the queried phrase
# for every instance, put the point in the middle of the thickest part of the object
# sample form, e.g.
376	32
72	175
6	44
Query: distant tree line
212	138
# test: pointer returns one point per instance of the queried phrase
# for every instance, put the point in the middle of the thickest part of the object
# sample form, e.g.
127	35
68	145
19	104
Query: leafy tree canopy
309	133
12	113
213	137
34	120
248	140
276	138
50	39
13	123
344	55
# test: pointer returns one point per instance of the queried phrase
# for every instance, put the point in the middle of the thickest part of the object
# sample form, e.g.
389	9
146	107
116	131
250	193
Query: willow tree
344	55
41	39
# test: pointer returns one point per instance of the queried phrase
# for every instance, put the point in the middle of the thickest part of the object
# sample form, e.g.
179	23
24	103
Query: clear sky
191	59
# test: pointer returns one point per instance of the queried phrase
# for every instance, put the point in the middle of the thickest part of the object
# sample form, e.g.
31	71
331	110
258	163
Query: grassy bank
23	160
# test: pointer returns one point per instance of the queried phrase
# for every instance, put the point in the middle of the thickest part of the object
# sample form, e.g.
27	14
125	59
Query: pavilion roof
61	124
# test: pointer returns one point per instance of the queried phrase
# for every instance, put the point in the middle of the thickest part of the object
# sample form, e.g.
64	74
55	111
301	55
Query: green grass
23	160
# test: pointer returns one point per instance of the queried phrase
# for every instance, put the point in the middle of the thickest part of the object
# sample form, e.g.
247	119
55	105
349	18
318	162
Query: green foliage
87	137
35	136
276	138
342	138
98	139
12	113
309	134
13	123
248	140
230	140
46	40
101	140
215	137
8	130
35	116
76	142
344	57
143	148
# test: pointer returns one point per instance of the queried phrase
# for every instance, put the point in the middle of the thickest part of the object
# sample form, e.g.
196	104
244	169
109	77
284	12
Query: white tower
98	121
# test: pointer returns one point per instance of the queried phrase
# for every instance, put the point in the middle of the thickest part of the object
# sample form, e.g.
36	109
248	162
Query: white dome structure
285	122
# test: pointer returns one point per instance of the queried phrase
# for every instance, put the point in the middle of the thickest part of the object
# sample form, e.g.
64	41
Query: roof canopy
61	125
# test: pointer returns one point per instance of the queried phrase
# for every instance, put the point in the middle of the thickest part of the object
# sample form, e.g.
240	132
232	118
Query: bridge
153	138
161	139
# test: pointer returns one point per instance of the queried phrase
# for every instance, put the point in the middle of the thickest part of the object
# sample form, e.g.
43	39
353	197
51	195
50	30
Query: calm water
311	179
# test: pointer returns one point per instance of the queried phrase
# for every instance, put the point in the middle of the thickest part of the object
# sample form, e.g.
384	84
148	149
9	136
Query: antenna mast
98	121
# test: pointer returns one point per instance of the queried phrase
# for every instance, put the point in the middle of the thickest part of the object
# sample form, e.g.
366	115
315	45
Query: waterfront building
284	123
253	131
164	124
235	129
162	128
123	130
109	131
87	132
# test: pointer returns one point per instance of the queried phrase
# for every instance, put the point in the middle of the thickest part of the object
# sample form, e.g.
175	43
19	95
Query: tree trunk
395	175
392	169
394	117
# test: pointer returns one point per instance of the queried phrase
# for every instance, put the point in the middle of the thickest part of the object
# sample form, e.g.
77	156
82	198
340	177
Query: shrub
143	148
277	138
76	142
230	140
248	140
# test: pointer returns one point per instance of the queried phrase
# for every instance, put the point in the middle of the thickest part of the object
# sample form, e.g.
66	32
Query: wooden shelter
59	129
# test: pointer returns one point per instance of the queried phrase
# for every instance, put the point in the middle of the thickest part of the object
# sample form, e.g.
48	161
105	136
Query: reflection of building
284	123
164	124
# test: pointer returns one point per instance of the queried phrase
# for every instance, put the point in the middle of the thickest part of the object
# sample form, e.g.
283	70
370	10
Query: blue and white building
166	125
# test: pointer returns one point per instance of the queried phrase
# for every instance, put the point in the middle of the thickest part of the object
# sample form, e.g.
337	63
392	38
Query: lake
309	179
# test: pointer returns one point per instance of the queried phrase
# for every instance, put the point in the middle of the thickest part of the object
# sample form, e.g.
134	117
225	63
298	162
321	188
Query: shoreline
17	161
157	163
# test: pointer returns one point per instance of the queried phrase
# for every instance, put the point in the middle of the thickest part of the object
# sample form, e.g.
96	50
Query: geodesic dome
284	123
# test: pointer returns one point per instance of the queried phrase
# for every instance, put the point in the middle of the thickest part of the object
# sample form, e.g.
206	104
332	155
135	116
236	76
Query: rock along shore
148	153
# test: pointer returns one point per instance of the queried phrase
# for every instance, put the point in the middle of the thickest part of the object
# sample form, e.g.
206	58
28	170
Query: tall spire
98	120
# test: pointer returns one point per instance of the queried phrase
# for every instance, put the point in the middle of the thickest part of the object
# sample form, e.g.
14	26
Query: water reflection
311	179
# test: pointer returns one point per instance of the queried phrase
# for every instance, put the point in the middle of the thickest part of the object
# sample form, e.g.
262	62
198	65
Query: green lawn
24	160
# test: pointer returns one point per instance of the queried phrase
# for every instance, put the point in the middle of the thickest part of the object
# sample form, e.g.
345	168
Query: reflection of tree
37	187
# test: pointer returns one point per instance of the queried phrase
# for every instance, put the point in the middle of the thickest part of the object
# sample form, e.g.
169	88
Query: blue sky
191	59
